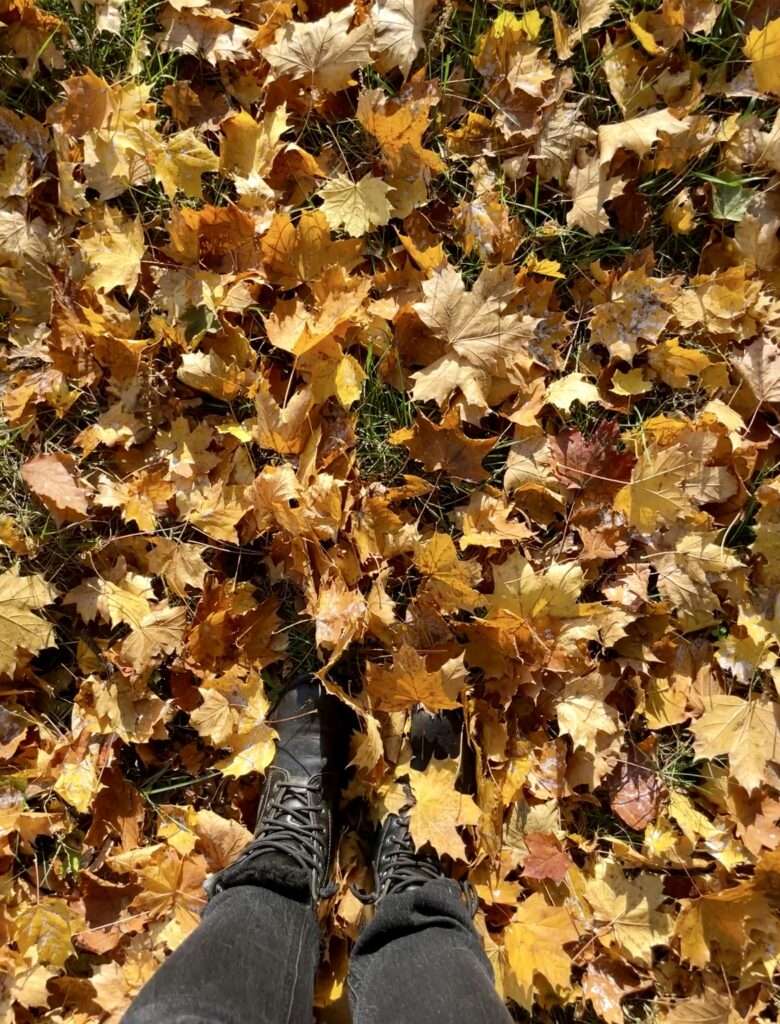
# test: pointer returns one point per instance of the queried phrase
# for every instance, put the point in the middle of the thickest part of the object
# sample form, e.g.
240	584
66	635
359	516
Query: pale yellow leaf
357	207
322	53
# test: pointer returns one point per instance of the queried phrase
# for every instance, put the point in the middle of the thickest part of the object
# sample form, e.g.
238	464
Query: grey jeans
253	958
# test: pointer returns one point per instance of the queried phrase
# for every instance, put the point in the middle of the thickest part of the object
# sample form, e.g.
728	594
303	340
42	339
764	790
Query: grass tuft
382	409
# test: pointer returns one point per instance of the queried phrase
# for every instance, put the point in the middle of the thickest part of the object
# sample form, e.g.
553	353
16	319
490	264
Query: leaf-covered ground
433	347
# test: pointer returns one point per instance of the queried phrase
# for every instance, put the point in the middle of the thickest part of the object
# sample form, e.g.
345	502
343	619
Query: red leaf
636	793
546	858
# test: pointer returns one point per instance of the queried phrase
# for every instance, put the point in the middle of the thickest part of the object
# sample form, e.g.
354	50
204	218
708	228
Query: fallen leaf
172	895
638	134
583	714
357	207
664	485
444	447
322	53
590	188
565	391
53	479
748	731
545	858
762	49
398	32
44	931
606	983
636	794
182	162
113	250
23	630
534	944
439	809
710	1008
759	365
446	579
628	910
409	682
78	783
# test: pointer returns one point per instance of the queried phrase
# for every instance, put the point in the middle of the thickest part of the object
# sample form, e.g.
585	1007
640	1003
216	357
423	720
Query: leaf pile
433	348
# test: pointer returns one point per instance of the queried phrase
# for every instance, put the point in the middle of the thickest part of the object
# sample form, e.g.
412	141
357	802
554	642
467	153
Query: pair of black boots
296	835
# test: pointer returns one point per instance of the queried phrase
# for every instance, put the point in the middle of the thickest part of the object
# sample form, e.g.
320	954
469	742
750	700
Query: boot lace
403	868
292	826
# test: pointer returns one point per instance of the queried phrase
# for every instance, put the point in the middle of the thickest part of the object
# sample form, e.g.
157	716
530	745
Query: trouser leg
420	961
251	960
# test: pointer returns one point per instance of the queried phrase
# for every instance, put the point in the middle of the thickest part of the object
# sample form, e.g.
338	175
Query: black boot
398	866
295	835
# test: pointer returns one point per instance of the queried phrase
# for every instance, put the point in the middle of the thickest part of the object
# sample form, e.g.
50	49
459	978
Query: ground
431	347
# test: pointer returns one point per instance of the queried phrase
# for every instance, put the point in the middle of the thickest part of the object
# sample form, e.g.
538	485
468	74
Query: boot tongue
299	751
297	721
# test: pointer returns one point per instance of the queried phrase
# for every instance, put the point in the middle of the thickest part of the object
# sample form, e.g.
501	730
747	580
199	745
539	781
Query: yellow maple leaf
221	839
552	592
172	895
13	536
410	682
565	391
680	214
214	718
78	783
583	714
762	48
485	521
348	382
322	53
628	910
590	14
439	808
250	751
20	628
339	614
44	931
249	146
180	163
126	707
125	602
398	32
664	484
718	923
281	428
113	247
590	188
633	382
357	207
544	267
248	151
534	944
747	730
176	827
293	253
759	364
447	579
159	632
399	126
675	364
638	134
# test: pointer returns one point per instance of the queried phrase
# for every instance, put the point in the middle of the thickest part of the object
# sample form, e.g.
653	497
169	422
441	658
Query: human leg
420	959
252	959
